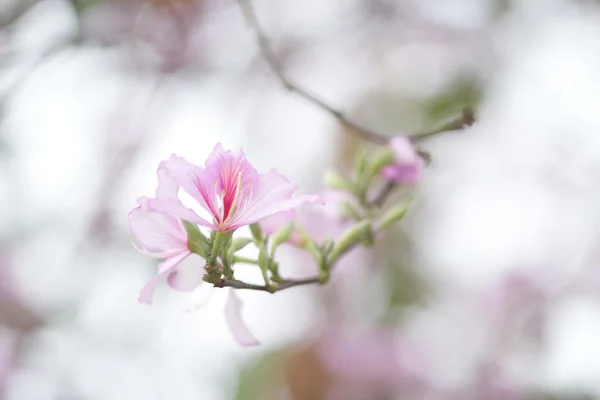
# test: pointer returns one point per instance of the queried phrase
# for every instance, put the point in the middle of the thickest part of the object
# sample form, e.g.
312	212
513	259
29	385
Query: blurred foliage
297	370
259	377
465	92
80	6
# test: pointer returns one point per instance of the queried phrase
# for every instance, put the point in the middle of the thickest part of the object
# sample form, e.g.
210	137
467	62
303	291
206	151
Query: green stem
238	259
215	248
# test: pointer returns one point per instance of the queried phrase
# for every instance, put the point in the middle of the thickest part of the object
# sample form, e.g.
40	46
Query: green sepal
196	240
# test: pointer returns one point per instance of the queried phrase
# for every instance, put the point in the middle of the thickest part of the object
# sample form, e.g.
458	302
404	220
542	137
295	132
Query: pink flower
318	220
167	237
407	165
232	192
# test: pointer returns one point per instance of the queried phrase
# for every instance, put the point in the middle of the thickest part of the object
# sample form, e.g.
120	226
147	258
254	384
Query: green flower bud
256	232
196	240
380	159
281	236
240	243
394	214
336	181
350	210
263	263
350	238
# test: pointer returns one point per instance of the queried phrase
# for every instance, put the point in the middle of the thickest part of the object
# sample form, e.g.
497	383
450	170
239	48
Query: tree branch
268	54
383	195
285	284
467	118
266	50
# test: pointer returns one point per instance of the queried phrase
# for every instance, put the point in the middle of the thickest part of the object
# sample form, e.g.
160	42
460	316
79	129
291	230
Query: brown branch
467	118
285	284
268	54
384	194
266	50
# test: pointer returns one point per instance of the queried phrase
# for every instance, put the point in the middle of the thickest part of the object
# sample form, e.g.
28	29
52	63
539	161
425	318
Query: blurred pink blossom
320	221
6	362
229	189
371	364
161	35
407	165
166	235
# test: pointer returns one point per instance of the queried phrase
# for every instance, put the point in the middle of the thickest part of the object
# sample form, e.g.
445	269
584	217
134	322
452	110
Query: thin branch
286	284
384	194
269	55
467	118
267	52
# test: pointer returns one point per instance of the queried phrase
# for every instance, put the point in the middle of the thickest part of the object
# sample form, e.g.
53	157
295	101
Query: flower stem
216	246
245	260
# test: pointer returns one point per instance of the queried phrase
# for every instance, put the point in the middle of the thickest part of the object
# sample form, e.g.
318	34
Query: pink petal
233	317
167	187
225	166
407	166
272	224
157	231
188	275
272	195
193	180
165	269
174	207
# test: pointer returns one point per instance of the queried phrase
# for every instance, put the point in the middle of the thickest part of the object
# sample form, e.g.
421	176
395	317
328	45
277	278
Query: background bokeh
488	289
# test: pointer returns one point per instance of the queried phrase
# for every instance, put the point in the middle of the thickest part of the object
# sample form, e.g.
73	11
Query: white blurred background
489	286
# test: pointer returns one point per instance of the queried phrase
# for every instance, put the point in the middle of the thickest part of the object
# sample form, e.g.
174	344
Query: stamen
235	200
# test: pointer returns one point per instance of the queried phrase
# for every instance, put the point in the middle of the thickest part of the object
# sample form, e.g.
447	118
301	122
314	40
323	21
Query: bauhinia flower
319	221
163	236
407	165
229	189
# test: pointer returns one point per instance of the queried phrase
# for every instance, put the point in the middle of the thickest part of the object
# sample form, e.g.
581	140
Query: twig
286	284
266	50
383	195
269	55
467	118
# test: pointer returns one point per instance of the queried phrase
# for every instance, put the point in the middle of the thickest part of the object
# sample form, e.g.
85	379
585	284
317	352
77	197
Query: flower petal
225	166
237	326
407	165
272	224
167	187
192	179
188	275
165	268
272	195
176	208
156	230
